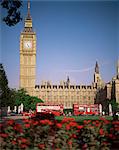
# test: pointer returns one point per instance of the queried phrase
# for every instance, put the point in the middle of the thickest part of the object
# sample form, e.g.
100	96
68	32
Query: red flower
106	121
73	124
23	146
70	142
102	119
27	125
101	131
23	140
67	127
116	128
35	123
56	113
10	122
1	125
93	122
86	121
26	121
111	136
59	125
41	146
84	147
115	122
79	126
4	135
65	120
46	122
73	136
14	142
18	128
97	121
97	124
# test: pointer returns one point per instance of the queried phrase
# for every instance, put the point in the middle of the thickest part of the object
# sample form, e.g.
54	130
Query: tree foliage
3	78
115	105
5	92
28	101
13	13
12	97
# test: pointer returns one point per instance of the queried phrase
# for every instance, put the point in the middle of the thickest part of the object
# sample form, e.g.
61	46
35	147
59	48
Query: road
17	118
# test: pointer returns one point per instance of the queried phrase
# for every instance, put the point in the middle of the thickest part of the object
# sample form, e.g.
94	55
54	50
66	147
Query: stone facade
28	55
65	93
113	87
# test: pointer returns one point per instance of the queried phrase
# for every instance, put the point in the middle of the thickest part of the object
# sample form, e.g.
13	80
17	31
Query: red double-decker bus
49	108
92	109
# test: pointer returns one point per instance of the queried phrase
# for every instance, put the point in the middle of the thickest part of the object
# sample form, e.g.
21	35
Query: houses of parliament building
65	93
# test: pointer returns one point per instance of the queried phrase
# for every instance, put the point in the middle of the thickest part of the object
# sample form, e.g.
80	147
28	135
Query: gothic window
97	79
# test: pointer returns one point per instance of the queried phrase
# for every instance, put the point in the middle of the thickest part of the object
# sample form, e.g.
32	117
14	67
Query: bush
51	134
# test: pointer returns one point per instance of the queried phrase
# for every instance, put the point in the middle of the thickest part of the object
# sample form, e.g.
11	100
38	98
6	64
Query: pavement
17	118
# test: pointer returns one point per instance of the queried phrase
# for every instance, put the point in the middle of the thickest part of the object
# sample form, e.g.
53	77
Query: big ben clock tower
28	55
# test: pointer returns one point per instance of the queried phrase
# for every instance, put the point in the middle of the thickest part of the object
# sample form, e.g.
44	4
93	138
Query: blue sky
71	37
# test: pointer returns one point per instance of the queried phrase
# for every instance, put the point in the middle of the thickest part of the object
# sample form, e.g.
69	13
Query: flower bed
54	135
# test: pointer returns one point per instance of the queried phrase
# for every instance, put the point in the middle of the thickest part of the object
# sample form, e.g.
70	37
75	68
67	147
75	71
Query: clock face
27	44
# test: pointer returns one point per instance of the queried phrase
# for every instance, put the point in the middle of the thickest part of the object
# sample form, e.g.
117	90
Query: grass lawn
81	118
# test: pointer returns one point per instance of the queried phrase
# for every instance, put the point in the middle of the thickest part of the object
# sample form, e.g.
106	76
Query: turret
96	68
97	77
68	81
96	74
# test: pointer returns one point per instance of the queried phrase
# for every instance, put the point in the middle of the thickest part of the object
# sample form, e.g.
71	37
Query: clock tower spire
28	19
28	55
28	15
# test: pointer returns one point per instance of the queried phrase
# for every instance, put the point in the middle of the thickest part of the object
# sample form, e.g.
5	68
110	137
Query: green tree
34	101
5	93
28	101
3	78
13	15
19	96
115	105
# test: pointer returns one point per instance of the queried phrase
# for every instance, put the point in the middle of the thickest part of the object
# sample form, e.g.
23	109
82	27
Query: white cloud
77	70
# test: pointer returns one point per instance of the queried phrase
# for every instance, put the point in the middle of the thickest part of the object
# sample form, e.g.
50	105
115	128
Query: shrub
51	134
